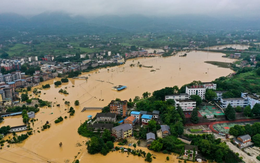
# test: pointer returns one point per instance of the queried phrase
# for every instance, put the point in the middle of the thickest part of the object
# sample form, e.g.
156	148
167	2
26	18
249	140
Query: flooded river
43	146
234	46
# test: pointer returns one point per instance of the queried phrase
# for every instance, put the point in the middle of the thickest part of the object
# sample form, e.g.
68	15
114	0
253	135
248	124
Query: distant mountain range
62	23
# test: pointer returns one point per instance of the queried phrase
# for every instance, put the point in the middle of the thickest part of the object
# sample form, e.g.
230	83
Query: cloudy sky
126	7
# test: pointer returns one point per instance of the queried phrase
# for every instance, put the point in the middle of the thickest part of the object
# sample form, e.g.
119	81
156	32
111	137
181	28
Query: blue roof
121	88
135	112
89	116
121	121
146	116
10	82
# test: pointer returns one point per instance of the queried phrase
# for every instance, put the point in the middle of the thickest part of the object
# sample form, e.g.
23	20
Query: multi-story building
156	114
165	130
186	105
234	102
243	141
199	90
122	131
118	107
130	120
208	85
146	118
136	114
181	96
219	94
252	99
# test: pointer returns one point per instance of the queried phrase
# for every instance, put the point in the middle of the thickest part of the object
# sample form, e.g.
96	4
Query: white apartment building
209	85
234	102
199	90
181	96
252	99
186	105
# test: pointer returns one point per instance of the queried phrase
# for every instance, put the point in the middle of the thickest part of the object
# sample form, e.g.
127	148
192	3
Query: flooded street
43	146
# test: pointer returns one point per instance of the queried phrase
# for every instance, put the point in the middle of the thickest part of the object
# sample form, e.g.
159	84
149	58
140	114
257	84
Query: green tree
106	136
256	109
230	113
152	125
247	111
3	70
24	97
95	145
106	109
57	83
181	113
29	88
76	102
210	95
197	99
179	128
156	145
238	109
41	79
110	144
134	145
194	116
4	55
148	157
256	140
146	95
233	131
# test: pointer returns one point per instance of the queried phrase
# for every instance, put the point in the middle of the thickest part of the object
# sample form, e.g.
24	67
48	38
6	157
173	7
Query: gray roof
156	112
150	135
190	147
231	99
245	137
180	94
165	128
143	112
102	125
123	127
112	115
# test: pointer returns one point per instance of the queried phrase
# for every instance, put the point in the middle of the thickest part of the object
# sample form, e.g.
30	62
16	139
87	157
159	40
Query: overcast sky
126	7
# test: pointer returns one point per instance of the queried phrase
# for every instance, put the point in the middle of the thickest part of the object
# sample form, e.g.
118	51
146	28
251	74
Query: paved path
246	158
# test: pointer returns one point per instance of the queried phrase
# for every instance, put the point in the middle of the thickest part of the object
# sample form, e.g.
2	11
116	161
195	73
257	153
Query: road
246	158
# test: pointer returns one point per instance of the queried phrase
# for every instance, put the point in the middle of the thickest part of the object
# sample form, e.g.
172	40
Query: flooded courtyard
97	91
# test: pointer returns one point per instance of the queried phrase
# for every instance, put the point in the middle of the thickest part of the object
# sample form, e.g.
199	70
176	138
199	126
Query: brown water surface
44	146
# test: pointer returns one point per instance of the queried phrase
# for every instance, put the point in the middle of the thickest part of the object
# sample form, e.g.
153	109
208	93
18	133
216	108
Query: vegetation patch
220	64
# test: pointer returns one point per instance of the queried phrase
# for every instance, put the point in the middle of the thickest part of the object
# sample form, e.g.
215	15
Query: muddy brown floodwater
43	146
235	46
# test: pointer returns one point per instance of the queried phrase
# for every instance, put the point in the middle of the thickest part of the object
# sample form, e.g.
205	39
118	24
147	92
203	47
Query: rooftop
118	102
165	128
135	112
181	94
123	127
156	112
196	86
245	137
18	126
112	115
230	99
102	125
190	147
146	116
131	118
150	135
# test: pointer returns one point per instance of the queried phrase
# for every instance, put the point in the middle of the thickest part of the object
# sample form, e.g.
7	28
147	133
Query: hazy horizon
92	8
